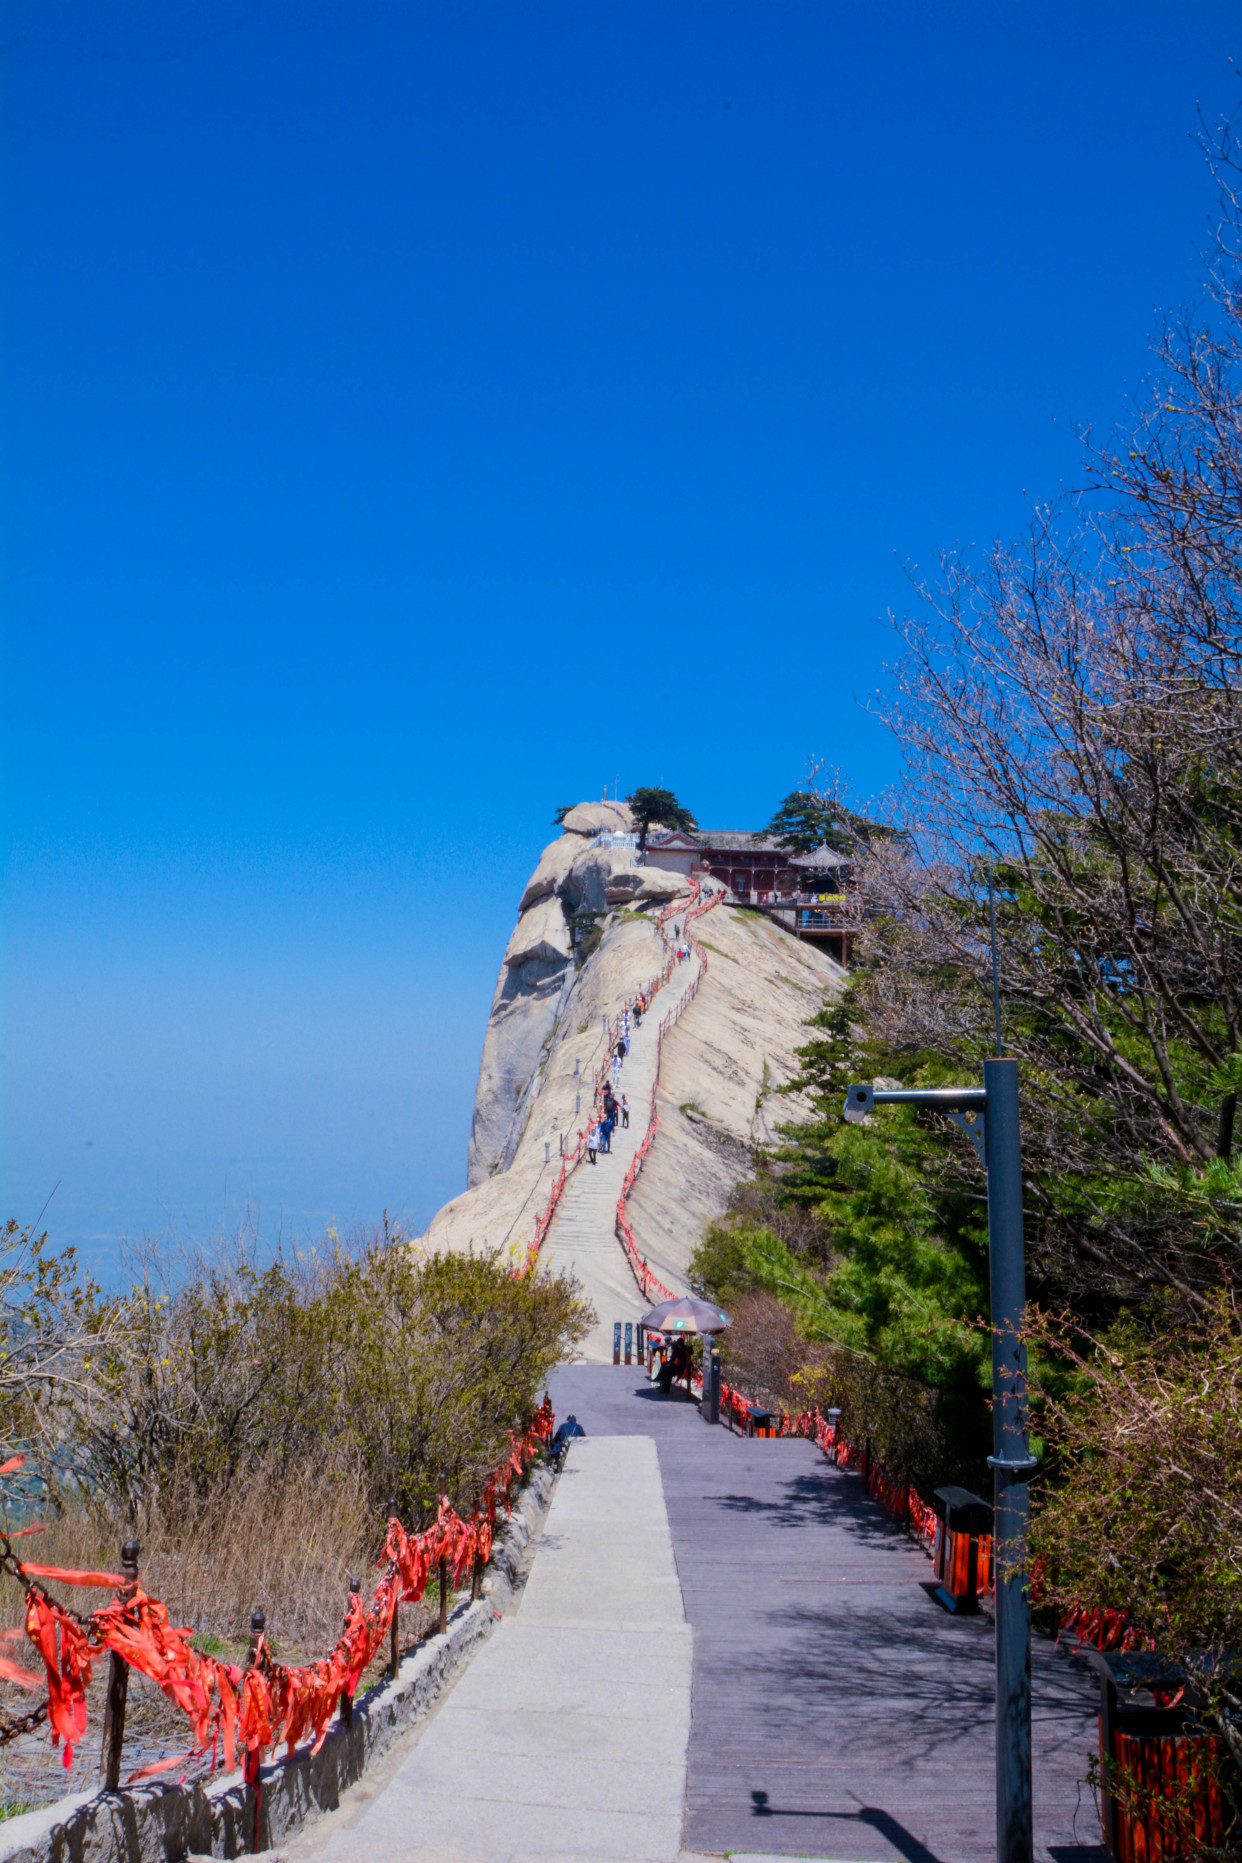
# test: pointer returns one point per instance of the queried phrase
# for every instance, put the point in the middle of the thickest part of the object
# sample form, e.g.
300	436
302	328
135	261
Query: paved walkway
583	1234
566	1737
838	1712
723	1647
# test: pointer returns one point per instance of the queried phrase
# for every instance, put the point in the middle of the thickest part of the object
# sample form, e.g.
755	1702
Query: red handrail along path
256	1708
650	1285
543	1221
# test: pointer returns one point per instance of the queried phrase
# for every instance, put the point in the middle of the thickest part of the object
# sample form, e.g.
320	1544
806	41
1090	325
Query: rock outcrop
724	1063
575	878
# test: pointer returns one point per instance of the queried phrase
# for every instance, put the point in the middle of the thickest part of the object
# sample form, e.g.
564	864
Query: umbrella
685	1315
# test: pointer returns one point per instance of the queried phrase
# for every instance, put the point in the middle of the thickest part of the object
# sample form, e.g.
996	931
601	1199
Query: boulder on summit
590	818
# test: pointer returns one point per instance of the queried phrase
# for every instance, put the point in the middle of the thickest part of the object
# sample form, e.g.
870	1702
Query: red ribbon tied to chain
269	1701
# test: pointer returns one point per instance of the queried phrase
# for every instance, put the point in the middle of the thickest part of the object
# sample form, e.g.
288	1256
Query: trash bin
963	1520
759	1422
1159	1791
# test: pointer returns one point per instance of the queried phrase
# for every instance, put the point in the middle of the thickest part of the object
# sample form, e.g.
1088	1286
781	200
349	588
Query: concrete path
566	1737
583	1233
838	1711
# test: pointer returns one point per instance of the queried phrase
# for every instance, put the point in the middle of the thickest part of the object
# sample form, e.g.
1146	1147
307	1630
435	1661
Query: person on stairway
564	1436
676	1365
625	1114
592	1141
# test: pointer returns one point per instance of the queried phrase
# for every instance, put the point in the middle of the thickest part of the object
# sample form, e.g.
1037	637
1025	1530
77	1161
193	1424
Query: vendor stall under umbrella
676	1318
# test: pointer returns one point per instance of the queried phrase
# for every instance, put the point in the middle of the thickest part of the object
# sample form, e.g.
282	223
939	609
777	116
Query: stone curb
162	1823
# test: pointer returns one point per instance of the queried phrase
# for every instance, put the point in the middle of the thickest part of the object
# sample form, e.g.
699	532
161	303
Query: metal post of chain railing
347	1700
118	1684
394	1631
443	1567
252	1763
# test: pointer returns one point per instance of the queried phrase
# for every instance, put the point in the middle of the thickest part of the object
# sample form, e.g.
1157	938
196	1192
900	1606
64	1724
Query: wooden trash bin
963	1544
1160	1795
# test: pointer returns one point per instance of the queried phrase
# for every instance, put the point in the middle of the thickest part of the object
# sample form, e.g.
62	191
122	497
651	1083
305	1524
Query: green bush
402	1370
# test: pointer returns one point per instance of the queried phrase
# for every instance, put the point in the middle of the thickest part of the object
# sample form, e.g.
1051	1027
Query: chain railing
235	1709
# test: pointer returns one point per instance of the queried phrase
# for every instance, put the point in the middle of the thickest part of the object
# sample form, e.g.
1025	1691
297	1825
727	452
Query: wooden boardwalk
838	1712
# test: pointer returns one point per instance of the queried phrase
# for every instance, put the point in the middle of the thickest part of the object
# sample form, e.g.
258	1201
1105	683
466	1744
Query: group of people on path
616	1108
616	1111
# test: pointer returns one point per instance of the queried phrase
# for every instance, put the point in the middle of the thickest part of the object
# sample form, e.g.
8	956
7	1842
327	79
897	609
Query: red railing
568	1165
267	1702
650	1285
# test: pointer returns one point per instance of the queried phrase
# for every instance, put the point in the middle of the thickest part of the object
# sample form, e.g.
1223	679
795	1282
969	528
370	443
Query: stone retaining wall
168	1823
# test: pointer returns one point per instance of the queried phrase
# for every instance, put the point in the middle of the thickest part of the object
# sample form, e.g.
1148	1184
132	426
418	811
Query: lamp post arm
863	1098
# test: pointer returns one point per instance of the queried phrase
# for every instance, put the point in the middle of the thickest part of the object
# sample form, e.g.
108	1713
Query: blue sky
419	415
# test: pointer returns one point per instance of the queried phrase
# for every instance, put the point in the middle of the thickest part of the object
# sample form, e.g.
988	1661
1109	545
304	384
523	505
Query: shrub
408	1369
1144	1515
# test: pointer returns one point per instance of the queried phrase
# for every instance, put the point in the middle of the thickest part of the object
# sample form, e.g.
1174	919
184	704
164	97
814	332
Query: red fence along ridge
268	1702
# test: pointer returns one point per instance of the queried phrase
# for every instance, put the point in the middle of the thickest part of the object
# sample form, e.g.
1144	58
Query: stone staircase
583	1233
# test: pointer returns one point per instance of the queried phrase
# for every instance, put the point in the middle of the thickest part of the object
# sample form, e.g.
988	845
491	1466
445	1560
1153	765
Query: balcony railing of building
815	911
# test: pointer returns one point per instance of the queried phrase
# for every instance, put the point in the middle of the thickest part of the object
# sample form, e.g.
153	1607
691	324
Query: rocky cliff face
722	1070
723	1063
575	878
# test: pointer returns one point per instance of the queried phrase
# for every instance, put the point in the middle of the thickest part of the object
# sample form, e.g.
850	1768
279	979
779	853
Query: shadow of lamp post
989	1115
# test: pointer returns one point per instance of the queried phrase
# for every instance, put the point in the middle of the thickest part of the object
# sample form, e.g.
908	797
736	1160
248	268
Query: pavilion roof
738	840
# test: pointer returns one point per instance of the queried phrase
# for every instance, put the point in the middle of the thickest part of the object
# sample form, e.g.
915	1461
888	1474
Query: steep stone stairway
583	1233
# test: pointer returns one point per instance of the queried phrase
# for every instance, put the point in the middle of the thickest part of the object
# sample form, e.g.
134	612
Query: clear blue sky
420	414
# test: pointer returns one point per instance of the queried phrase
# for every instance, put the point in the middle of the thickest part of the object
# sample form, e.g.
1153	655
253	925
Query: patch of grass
716	948
692	1106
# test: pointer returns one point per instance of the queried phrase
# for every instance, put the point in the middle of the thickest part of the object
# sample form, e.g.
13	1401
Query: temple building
812	895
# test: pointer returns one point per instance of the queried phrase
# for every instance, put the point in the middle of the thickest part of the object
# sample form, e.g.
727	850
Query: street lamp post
989	1114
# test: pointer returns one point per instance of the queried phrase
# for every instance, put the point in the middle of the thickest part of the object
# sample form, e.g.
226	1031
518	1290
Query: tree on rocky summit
649	806
811	818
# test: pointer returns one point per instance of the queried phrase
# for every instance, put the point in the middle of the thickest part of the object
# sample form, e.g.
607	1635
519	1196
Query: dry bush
248	1427
761	1349
1145	1512
290	1547
903	1421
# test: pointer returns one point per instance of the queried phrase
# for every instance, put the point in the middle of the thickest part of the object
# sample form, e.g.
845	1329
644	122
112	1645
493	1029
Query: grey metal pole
1011	1465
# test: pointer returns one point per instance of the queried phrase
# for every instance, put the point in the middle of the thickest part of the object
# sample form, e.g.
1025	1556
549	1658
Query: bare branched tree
1070	711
